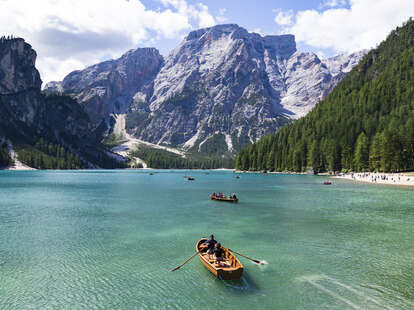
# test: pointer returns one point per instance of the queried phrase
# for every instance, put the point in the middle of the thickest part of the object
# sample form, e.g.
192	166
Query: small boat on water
224	198
232	269
327	183
186	177
190	179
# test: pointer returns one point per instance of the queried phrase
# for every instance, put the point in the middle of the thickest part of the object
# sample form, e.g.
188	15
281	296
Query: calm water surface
108	239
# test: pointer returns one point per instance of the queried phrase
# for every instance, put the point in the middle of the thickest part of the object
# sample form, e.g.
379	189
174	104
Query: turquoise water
108	240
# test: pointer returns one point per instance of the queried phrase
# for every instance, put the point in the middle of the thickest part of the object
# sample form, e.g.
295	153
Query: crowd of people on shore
374	177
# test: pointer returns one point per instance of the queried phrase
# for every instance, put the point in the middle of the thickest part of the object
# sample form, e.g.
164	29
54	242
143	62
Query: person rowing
219	255
209	245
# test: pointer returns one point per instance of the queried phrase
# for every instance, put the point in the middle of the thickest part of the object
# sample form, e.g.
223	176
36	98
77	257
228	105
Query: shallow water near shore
108	240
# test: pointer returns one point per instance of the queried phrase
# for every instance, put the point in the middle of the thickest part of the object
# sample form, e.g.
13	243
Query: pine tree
361	154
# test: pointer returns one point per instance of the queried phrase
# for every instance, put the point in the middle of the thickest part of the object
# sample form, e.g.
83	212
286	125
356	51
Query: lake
108	240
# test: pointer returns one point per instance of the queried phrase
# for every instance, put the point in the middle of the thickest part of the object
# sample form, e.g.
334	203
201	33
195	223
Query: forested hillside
5	159
366	123
47	130
161	159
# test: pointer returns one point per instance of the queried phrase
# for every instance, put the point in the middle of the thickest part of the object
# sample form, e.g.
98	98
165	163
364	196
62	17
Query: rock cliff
221	89
26	114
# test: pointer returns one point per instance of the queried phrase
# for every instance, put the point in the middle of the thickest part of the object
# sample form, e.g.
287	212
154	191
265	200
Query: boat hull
225	273
226	199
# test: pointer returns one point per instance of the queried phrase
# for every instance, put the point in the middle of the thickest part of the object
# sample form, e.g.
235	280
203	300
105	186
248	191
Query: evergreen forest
365	124
161	159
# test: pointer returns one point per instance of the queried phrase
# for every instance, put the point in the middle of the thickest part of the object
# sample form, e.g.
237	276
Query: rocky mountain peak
110	86
216	31
17	66
344	62
220	86
27	115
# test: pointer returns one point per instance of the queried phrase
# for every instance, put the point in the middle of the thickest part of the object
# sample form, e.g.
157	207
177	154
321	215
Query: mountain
50	131
221	89
111	86
366	123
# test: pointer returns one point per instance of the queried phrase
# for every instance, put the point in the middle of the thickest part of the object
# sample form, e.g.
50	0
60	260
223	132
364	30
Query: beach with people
404	179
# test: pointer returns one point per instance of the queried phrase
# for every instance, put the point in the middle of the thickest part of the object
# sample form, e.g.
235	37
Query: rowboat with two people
221	197
227	268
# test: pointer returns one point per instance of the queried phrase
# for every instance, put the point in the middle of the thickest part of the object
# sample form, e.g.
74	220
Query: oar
254	260
176	268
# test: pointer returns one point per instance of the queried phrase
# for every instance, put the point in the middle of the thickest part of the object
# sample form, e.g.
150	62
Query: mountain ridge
33	120
220	83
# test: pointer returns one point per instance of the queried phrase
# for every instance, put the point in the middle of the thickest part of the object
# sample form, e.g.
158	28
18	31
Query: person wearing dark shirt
209	245
219	255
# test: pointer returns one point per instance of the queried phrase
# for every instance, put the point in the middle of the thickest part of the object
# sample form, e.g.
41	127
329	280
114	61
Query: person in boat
214	194
234	196
209	245
219	255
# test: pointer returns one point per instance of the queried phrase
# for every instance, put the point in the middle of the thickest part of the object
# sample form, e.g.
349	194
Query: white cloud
204	17
198	12
283	18
69	34
221	18
361	26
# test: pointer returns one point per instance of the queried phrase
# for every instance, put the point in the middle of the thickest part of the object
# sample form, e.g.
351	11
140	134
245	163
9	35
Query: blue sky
252	15
72	34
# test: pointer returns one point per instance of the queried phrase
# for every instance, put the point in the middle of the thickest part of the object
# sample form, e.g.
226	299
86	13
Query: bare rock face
17	70
225	84
110	86
27	115
221	89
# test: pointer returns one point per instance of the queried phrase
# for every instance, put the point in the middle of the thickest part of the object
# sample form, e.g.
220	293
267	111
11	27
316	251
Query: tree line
5	159
46	155
161	159
365	124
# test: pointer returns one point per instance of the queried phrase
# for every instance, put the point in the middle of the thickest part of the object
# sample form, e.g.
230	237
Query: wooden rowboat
232	271
224	198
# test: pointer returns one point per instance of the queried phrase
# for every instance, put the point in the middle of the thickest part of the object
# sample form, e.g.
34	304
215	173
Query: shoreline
399	179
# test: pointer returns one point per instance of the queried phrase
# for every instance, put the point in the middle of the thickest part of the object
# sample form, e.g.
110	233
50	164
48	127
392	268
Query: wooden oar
176	268
254	260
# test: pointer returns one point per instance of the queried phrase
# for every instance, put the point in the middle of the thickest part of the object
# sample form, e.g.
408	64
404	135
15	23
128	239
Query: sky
73	34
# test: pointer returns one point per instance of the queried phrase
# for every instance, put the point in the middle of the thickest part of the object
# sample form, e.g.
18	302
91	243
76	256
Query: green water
107	240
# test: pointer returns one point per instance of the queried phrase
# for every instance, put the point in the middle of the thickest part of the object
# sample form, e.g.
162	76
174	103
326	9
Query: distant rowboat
190	179
327	183
227	199
233	271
